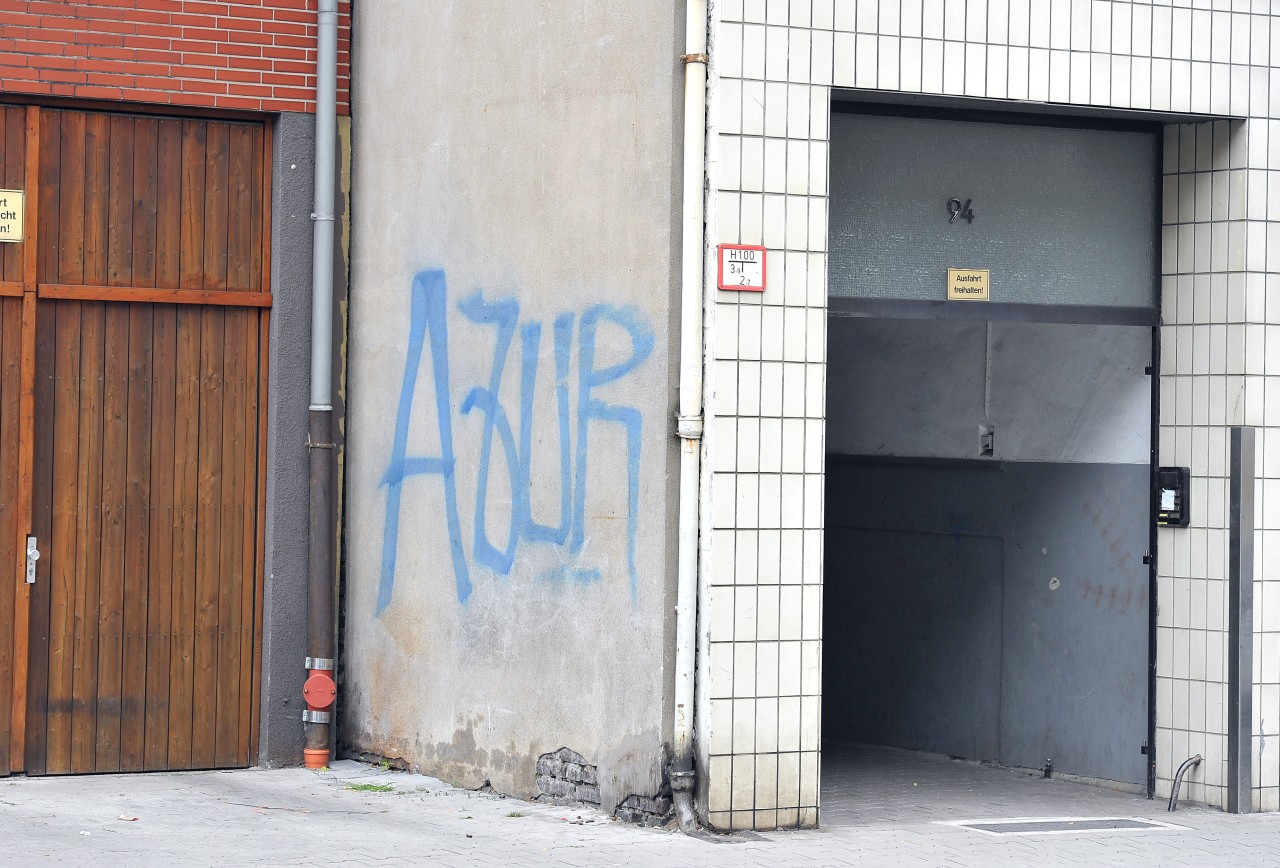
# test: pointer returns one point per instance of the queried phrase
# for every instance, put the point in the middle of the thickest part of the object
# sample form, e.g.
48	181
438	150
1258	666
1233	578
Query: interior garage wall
997	608
992	613
1069	393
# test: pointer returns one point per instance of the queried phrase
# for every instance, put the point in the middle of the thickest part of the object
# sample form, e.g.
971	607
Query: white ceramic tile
953	68
843	63
865	60
776	65
752	108
821	48
793	388
823	14
753	51
751	164
888	63
799	62
776	113
722	551
975	71
768	552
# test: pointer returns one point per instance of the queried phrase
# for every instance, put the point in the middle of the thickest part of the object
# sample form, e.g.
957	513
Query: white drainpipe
689	424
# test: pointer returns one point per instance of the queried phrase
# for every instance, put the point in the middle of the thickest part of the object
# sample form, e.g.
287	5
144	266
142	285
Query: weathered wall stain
428	327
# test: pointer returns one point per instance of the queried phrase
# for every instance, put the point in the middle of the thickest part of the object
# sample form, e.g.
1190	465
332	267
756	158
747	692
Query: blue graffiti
428	325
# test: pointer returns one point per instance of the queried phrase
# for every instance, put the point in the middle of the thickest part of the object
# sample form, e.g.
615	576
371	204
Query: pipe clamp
681	781
689	427
694	58
309	716
318	663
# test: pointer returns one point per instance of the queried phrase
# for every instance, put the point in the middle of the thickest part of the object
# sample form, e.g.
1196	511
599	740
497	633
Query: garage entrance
987	590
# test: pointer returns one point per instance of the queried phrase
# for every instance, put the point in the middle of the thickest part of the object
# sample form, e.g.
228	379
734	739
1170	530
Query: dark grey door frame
1240	624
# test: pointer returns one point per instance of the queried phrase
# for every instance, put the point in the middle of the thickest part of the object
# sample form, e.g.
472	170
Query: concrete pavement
357	815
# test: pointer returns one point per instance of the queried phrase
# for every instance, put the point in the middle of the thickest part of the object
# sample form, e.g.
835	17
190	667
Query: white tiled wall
774	65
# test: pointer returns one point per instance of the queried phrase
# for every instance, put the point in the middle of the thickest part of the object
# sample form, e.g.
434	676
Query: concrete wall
511	512
995	611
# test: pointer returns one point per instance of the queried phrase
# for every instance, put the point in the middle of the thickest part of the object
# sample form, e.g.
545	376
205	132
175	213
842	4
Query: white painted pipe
689	426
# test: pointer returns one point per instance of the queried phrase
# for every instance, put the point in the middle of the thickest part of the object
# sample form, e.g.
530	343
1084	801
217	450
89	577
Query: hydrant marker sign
742	267
968	284
12	214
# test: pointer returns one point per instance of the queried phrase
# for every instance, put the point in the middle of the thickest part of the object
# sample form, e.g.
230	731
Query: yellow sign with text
968	284
12	215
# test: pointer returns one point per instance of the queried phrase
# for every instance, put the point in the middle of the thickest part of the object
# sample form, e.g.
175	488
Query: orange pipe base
315	759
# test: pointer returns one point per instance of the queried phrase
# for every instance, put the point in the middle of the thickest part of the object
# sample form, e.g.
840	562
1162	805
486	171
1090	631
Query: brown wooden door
151	312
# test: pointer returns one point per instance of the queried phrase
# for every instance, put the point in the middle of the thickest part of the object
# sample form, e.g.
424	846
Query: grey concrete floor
882	807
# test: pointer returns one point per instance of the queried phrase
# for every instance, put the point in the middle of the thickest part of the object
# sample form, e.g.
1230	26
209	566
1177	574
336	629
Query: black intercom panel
1173	496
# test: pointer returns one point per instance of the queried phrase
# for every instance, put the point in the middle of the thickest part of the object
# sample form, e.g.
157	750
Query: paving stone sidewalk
357	815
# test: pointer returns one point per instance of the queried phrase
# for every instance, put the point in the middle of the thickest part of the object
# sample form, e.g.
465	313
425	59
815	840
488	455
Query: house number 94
964	212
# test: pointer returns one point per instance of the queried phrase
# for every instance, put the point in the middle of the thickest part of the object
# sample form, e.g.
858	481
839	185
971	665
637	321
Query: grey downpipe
1177	780
320	691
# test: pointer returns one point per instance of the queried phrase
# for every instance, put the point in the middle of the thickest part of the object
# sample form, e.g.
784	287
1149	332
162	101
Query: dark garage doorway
987	591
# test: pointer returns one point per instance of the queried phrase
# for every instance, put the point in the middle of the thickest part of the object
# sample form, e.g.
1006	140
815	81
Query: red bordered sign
742	267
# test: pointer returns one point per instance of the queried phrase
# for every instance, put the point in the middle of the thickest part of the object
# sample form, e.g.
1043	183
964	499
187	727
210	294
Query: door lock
33	555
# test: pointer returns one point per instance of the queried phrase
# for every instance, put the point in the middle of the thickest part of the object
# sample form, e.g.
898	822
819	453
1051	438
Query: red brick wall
258	55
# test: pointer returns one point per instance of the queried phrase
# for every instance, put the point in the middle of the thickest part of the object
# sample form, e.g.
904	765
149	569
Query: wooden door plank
248	531
217	165
259	572
162	572
49	195
15	178
97	186
231	539
133	684
62	550
120	240
241	239
262	214
71	198
52	440
22	601
10	386
191	258
169	199
87	492
185	492
111	497
145	204
84	710
10	262
31	183
210	527
162	567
